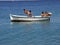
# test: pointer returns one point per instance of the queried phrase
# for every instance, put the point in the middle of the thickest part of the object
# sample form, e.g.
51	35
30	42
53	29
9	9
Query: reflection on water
40	22
29	33
30	25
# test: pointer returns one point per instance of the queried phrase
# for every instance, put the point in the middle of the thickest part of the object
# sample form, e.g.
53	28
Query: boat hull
15	18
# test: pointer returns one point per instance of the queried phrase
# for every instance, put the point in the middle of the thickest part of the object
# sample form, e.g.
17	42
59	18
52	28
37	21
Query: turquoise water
30	33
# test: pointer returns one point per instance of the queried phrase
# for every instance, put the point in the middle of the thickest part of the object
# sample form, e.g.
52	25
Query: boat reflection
29	26
36	22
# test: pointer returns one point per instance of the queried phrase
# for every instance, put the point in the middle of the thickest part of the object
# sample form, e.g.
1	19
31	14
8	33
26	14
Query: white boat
19	18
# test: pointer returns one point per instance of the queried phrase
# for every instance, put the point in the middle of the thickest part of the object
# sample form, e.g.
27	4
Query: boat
19	18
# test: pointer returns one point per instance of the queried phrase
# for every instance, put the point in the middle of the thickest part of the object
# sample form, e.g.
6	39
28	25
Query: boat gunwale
19	16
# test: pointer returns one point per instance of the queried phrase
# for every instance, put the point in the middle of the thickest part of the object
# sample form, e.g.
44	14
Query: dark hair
30	11
23	9
42	12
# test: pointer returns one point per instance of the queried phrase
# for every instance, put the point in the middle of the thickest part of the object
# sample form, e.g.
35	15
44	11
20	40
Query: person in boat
42	14
48	13
25	11
45	14
28	13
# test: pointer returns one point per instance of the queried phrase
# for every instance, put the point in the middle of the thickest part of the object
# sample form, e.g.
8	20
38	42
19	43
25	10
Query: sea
30	33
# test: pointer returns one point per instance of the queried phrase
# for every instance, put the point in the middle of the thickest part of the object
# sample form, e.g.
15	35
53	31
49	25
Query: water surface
29	33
